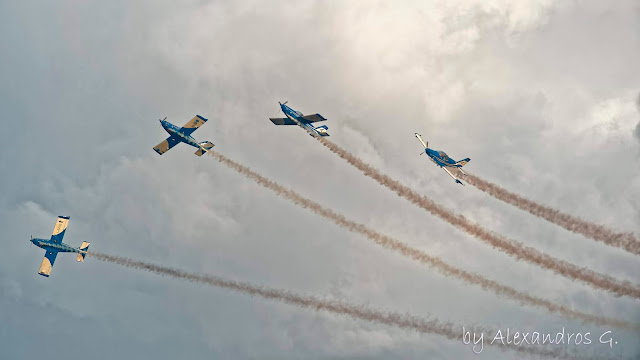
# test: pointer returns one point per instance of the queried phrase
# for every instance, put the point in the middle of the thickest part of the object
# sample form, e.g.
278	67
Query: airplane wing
283	121
312	118
166	145
453	176
59	229
193	124
47	263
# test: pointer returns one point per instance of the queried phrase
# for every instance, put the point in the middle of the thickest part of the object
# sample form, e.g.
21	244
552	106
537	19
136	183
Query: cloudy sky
543	96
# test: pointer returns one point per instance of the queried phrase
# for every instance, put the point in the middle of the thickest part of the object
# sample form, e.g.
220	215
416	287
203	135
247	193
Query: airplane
441	159
54	245
304	121
183	134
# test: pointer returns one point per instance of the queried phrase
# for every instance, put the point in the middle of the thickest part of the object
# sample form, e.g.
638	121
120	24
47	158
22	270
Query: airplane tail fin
84	248
322	130
462	162
204	147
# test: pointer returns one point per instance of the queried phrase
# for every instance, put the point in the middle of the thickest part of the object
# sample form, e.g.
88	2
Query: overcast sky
543	96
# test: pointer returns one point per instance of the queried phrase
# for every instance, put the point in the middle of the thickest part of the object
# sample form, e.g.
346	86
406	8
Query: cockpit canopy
443	155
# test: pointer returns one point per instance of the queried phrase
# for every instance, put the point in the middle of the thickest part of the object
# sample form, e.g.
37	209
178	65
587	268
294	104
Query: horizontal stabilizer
322	130
283	121
83	248
204	147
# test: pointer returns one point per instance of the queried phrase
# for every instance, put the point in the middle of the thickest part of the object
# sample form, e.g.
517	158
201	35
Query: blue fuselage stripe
53	247
176	133
439	160
296	116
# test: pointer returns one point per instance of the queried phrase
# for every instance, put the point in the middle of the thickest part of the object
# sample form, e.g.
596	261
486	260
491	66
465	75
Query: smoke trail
626	241
419	255
511	247
404	321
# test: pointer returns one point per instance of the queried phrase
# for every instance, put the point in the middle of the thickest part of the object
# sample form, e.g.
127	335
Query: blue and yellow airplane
304	121
183	134
54	245
441	159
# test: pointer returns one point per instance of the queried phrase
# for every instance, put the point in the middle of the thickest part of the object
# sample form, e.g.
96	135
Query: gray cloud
636	131
537	94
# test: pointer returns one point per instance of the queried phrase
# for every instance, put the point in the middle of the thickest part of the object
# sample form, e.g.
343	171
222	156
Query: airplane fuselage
49	245
295	116
440	158
176	133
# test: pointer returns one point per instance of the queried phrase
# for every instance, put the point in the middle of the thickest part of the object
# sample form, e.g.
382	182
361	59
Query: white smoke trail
405	321
626	241
499	242
419	255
